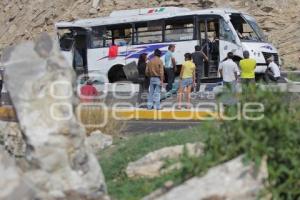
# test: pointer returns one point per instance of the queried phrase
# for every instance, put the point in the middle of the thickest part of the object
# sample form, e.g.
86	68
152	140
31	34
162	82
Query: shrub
95	118
276	136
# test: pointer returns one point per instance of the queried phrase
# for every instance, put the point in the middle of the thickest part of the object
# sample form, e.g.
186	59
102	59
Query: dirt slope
23	19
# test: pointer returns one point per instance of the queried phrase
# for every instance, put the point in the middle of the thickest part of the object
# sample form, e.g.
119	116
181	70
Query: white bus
85	43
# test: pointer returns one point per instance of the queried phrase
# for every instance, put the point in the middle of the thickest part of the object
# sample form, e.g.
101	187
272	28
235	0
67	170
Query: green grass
115	160
294	77
276	136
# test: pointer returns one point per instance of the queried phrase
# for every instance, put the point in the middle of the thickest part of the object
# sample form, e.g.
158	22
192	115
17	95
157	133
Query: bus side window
108	38
66	39
179	29
97	38
150	32
225	32
66	42
123	36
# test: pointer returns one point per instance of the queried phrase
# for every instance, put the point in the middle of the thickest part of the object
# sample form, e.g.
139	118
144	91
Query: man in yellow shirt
248	67
187	80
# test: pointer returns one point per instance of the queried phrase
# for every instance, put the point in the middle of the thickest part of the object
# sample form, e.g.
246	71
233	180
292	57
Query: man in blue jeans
170	66
229	71
155	71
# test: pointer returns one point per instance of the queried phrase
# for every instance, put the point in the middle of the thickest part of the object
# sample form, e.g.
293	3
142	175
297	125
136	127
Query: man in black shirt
198	58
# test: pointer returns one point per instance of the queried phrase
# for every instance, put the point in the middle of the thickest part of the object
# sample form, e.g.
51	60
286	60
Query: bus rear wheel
116	74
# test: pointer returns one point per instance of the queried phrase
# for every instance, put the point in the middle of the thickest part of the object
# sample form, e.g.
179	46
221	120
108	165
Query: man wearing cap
155	71
248	66
273	71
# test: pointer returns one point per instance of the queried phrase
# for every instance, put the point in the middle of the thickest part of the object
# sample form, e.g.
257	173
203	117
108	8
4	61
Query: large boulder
153	164
40	83
233	180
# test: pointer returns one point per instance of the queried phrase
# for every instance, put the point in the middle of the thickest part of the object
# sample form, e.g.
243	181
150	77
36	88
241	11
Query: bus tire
116	74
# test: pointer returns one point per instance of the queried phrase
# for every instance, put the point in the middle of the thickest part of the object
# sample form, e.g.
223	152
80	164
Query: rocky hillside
23	19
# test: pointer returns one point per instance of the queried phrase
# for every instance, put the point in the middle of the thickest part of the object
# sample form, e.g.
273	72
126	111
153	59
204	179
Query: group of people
156	70
191	72
230	71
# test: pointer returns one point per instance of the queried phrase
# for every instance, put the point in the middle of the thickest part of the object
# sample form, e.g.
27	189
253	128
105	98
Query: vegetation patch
115	160
275	136
294	77
96	118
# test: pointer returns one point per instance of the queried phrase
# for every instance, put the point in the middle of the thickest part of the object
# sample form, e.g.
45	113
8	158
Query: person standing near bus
229	72
198	58
155	71
170	66
142	64
273	71
248	67
187	80
143	79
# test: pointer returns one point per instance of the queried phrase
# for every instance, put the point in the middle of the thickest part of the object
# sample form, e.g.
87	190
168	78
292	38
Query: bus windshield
247	28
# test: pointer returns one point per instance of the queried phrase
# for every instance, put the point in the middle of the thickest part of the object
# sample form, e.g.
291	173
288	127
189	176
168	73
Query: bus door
208	34
80	61
228	41
73	44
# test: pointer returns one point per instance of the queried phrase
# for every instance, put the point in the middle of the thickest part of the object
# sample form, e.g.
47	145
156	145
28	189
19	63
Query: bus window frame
231	30
90	37
136	32
135	26
71	38
205	18
189	17
111	28
118	27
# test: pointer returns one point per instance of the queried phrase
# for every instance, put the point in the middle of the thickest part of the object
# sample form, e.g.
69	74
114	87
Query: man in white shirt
273	71
229	72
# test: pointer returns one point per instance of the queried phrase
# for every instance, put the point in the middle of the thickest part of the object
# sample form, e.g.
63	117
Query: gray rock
12	183
99	141
13	140
152	164
231	181
93	11
2	128
95	3
40	83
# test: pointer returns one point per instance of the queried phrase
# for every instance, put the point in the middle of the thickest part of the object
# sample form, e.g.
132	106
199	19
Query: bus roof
141	15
